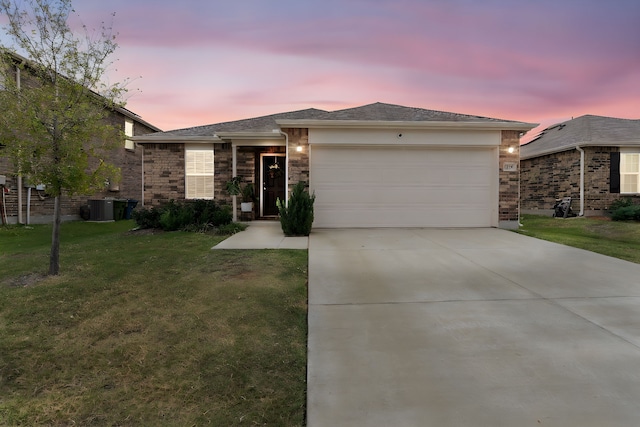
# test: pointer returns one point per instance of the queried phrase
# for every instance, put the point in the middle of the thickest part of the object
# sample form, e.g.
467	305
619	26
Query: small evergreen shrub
147	218
176	216
222	216
626	213
620	203
296	218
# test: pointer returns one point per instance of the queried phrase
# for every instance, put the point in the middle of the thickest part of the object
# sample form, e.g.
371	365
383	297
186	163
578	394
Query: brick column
298	160
509	190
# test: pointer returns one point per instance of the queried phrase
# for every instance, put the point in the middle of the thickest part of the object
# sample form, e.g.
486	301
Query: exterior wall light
299	148
511	150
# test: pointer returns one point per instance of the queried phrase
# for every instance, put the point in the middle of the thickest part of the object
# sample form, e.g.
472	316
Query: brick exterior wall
41	204
298	161
546	178
164	170
163	173
508	195
223	168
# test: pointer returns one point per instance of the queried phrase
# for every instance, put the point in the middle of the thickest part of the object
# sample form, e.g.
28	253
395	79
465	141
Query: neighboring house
378	165
592	159
27	202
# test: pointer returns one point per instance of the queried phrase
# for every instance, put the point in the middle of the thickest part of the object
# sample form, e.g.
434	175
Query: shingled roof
19	59
397	113
255	124
378	112
583	131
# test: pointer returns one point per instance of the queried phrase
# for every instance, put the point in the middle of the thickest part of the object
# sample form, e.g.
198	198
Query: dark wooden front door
273	183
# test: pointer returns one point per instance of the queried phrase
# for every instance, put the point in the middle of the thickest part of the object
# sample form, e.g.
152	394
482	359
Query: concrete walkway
478	327
263	235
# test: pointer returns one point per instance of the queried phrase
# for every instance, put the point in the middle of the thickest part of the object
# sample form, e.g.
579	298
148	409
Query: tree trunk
54	258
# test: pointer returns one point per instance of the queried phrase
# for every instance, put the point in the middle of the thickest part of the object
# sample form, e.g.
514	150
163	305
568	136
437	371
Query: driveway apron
473	327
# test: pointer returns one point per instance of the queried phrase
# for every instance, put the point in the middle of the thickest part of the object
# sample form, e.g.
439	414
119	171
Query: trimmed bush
176	216
626	213
620	203
296	218
197	215
147	218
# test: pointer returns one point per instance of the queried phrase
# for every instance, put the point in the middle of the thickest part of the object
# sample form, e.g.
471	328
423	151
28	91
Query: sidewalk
263	235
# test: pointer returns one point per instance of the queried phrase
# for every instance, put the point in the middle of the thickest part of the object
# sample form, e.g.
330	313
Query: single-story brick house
379	165
594	160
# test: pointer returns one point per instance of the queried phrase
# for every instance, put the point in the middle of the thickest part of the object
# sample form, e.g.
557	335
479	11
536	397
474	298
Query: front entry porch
265	168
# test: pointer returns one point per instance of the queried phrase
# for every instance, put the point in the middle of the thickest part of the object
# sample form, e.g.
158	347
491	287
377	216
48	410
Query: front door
272	180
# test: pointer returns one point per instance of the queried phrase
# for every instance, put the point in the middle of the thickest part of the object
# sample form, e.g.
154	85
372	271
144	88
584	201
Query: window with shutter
629	173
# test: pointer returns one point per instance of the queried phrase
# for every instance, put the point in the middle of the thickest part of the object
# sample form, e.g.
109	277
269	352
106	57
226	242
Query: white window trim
209	166
625	157
128	131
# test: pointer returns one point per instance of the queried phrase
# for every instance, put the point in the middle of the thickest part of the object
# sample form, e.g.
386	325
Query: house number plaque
510	167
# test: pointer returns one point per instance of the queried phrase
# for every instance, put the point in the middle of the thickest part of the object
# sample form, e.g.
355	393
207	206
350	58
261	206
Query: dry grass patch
152	329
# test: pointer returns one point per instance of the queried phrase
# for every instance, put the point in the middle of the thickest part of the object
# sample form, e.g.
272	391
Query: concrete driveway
479	327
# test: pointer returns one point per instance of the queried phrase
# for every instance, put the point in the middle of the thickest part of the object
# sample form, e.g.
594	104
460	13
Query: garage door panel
414	187
446	216
443	174
416	196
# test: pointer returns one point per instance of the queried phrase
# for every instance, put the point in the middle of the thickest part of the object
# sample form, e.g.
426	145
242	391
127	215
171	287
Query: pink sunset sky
197	62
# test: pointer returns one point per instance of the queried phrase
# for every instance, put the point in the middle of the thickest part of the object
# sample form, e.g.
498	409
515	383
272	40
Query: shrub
147	218
297	217
222	216
626	213
176	216
197	215
620	203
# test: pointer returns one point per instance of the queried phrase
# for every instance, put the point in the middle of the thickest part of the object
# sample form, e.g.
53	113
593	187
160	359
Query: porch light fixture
299	148
511	150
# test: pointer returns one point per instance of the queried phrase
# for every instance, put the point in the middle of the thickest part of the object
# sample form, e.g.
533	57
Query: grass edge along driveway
149	329
612	238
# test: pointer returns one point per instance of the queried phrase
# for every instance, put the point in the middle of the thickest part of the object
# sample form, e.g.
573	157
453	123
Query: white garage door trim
404	186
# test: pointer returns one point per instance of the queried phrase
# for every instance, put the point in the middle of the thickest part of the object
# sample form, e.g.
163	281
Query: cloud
512	59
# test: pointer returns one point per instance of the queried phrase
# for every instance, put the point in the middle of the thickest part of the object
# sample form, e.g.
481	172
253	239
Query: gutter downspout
581	151
286	169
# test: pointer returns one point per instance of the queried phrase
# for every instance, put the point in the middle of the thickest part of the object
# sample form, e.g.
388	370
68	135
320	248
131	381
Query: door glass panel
273	177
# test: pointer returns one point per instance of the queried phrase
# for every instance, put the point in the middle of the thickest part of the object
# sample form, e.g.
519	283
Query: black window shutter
614	173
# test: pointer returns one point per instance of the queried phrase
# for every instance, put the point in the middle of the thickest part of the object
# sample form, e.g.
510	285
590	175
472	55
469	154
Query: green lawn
149	329
616	239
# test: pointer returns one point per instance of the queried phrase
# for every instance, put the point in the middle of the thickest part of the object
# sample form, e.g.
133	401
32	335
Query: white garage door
403	186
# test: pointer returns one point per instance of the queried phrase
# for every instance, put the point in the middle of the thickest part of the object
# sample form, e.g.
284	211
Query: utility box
3	180
101	210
